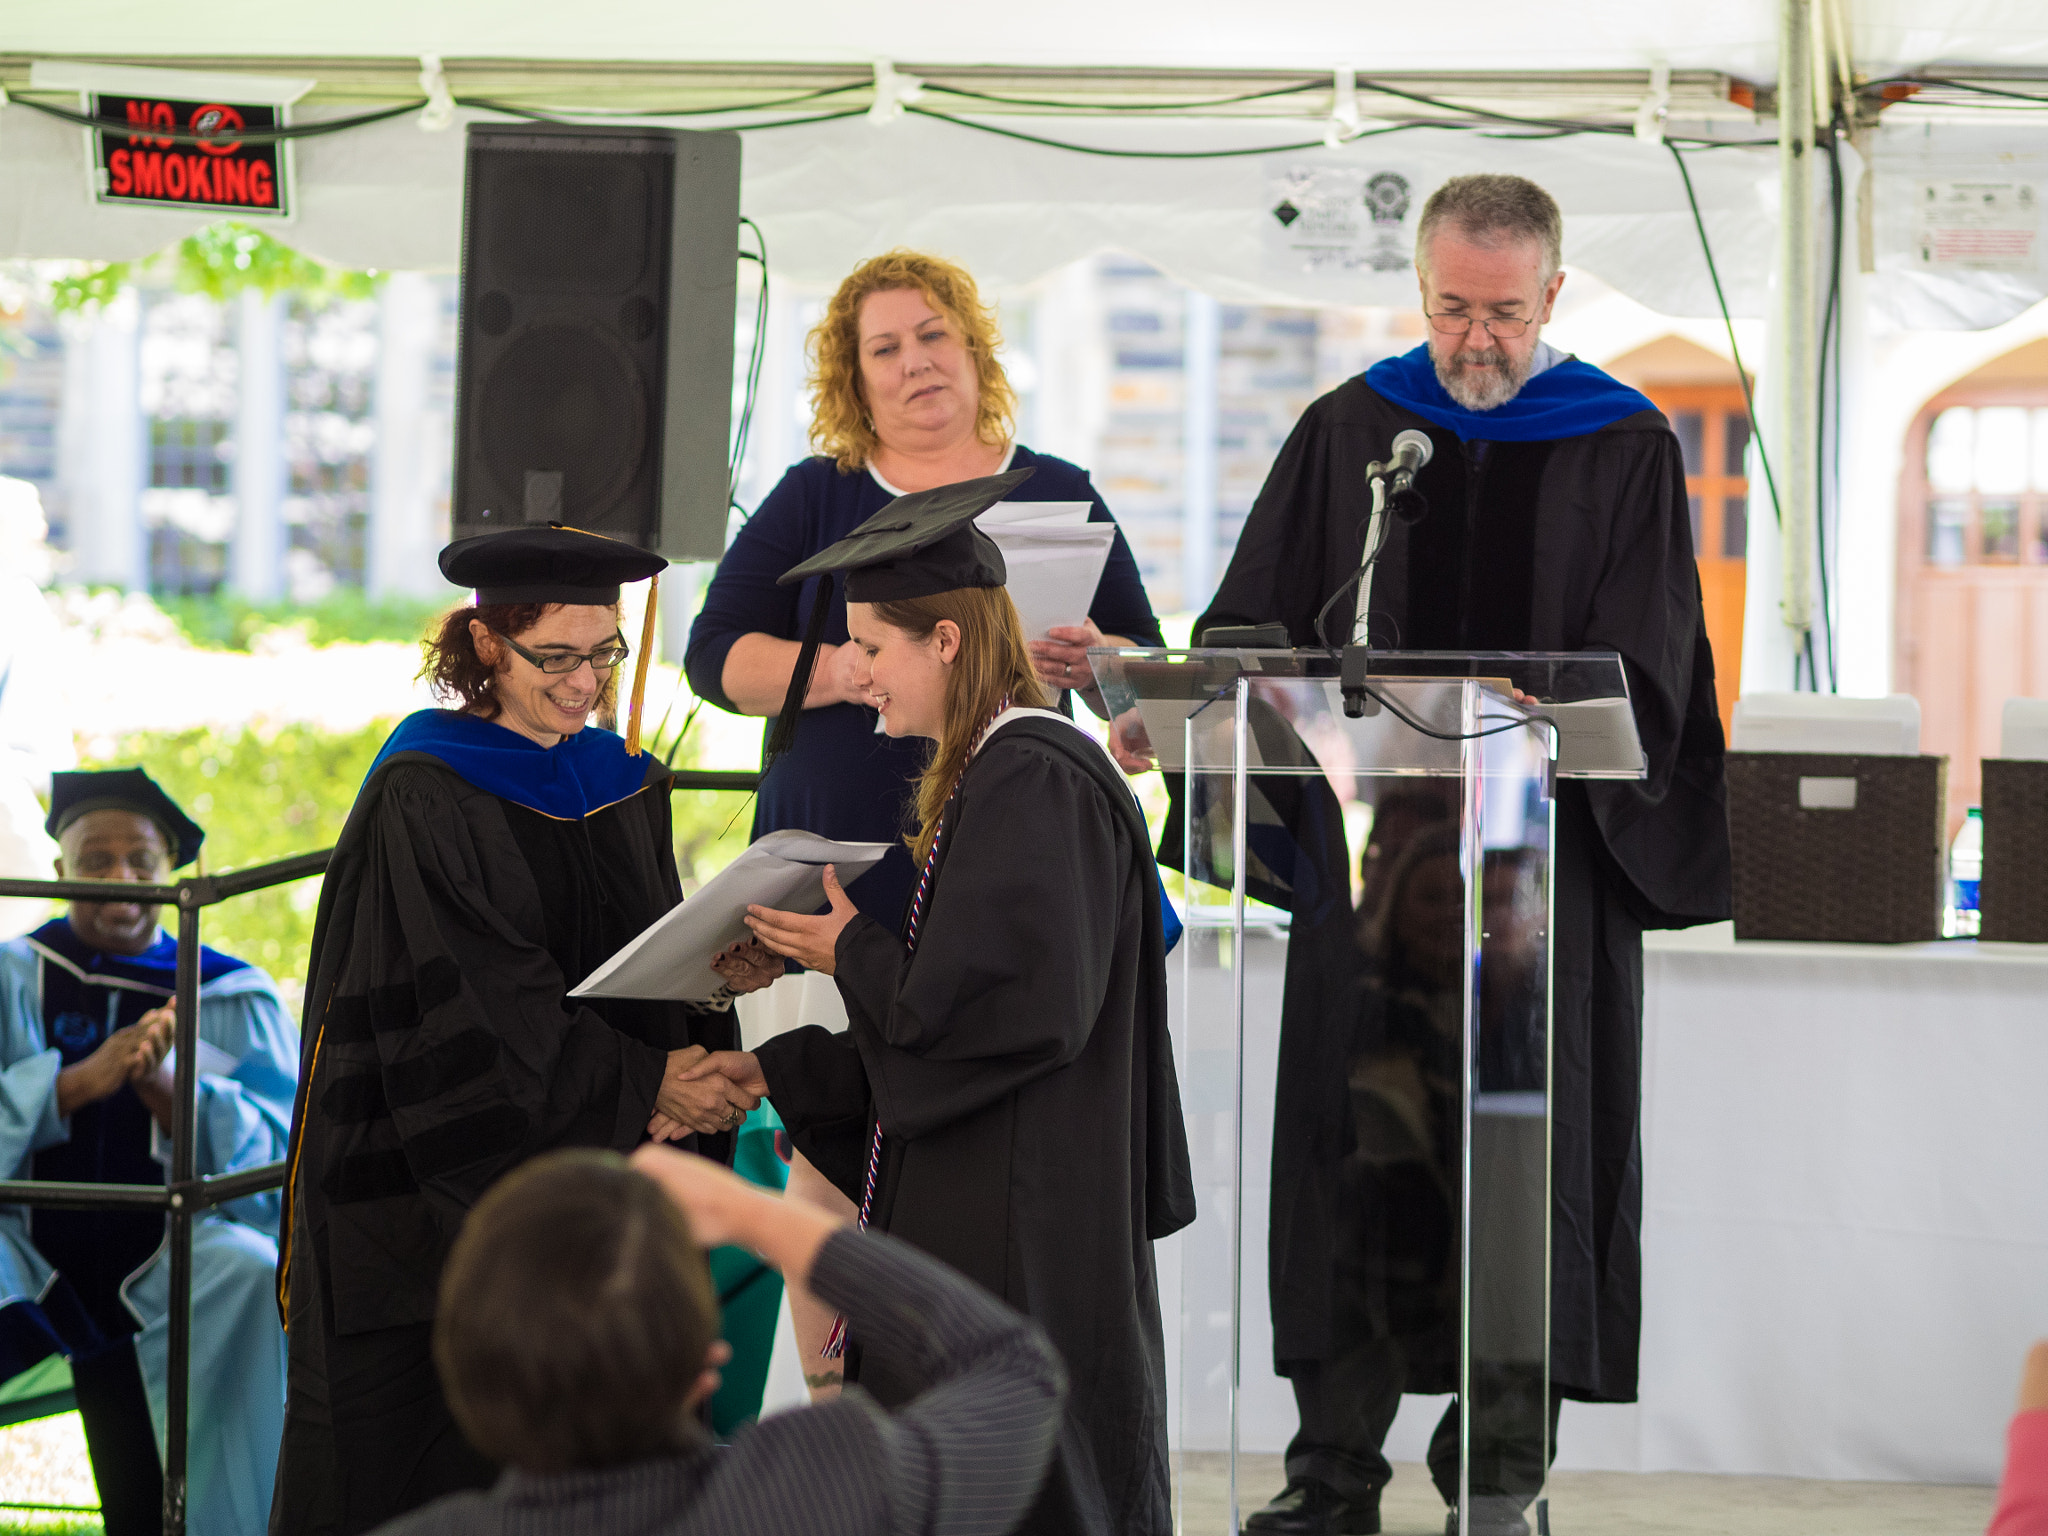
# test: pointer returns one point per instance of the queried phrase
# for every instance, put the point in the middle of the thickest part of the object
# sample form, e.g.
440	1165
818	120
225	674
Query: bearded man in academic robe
498	853
1556	520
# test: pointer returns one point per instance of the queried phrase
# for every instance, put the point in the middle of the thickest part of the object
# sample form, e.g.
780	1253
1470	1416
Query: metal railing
184	1195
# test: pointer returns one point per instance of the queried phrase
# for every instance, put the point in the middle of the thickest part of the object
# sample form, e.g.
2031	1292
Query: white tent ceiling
1736	36
829	193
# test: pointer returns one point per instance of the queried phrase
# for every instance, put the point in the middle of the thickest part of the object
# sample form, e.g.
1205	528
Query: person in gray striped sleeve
577	1337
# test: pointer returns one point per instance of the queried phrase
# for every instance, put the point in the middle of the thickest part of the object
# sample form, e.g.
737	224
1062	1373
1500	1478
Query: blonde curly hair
841	427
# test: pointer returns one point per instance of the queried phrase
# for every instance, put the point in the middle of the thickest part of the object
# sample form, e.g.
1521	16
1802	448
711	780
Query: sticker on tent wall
1327	218
1977	226
137	163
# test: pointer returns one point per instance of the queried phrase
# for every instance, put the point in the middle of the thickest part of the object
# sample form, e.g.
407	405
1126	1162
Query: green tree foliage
219	261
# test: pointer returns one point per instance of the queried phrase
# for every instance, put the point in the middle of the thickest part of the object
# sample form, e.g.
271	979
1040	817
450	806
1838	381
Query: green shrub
224	622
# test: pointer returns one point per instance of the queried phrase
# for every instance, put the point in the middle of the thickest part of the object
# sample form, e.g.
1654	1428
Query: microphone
1393	490
1412	450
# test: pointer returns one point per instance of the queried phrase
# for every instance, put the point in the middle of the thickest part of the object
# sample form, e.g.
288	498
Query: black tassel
783	736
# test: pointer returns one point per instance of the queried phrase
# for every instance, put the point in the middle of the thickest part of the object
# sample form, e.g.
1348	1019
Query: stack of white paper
672	957
1054	556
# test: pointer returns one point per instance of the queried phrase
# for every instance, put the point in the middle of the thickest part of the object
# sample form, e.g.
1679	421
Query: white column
256	558
1071	349
407	526
103	445
1201	353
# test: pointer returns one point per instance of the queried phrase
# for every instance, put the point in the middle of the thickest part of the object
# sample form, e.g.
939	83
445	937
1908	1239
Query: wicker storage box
2013	898
1837	846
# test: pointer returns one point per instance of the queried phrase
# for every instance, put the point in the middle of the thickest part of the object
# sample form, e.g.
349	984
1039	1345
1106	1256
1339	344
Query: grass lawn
43	1461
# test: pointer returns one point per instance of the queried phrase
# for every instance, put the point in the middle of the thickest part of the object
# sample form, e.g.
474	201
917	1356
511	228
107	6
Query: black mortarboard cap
916	546
550	564
73	795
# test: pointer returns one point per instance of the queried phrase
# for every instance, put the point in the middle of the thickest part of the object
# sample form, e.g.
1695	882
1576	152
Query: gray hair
1492	210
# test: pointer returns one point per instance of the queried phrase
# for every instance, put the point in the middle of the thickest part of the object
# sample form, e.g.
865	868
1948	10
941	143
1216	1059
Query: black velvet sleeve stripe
348	1020
457	1060
488	1133
370	1176
396	1006
355	1100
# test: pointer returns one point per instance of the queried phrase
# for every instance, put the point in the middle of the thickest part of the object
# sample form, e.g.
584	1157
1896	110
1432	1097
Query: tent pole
1797	433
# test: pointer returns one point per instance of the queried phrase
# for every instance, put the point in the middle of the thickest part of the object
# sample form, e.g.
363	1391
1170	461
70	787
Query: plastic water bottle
1965	869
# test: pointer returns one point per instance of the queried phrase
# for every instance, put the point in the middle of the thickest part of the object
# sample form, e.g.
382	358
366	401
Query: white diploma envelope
671	958
1039	514
1054	566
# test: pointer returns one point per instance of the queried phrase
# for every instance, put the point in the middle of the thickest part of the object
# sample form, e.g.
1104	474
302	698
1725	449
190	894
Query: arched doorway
1973	560
1701	394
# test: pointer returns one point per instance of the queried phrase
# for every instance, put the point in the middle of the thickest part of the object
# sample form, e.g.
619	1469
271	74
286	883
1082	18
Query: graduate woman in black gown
1004	1095
498	852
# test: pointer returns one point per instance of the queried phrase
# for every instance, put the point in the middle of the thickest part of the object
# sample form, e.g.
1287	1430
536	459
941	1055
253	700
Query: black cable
683	734
1955	85
1319	84
553	115
1748	395
244	136
1570	125
801	122
1369	561
1159	154
1514	723
755	357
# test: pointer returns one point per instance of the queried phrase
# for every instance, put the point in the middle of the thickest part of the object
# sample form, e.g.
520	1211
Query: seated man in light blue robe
86	1012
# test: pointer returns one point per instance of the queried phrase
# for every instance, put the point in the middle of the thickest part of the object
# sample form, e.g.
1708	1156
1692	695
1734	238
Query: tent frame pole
1797	383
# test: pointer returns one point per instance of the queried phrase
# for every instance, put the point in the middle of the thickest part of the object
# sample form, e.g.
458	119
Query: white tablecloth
1845	1215
1846	1210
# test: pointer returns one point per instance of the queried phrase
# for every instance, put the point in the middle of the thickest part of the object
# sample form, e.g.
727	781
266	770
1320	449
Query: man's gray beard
1481	391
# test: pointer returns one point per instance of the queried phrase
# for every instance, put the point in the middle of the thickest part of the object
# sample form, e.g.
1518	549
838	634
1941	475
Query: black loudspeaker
594	370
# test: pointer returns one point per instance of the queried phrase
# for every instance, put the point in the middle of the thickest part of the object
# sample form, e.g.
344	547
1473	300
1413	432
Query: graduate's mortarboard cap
73	795
558	564
550	564
917	546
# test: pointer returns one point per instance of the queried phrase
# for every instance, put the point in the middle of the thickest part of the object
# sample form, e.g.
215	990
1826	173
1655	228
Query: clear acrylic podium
1362	1023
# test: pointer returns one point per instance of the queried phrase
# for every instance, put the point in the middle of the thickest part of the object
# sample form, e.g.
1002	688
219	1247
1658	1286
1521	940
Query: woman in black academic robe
1011	1044
497	854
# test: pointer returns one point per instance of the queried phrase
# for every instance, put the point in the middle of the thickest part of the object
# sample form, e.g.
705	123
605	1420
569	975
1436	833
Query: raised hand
747	966
1061	658
812	942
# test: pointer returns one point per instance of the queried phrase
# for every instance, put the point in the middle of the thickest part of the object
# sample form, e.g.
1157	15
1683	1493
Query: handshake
705	1091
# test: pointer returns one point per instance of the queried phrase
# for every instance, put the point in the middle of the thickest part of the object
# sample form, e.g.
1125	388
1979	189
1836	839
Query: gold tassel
640	671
